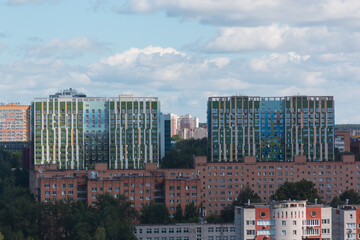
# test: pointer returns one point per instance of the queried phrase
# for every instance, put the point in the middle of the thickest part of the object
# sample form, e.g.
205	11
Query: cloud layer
253	12
66	48
184	82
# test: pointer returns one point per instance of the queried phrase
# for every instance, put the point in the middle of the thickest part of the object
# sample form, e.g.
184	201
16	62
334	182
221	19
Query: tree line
22	218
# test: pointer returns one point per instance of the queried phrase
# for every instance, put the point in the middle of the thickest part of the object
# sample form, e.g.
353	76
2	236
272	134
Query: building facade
283	220
185	231
346	222
14	123
165	134
75	132
342	141
271	129
214	185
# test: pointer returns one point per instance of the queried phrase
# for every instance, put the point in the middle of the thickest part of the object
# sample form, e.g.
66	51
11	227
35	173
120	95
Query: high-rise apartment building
14	123
271	128
75	131
188	121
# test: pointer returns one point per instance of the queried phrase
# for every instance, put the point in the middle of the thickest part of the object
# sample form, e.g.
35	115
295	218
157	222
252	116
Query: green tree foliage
22	218
176	138
100	234
183	155
214	219
351	195
227	214
155	213
116	215
301	190
191	213
335	202
178	216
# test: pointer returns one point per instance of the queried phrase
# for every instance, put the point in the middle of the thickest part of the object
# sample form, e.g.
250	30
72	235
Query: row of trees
159	213
21	218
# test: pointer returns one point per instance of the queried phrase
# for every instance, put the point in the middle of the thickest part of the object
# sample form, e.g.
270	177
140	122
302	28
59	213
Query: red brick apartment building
215	185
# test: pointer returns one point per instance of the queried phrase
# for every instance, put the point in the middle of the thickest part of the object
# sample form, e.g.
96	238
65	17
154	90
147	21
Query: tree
247	194
116	215
191	213
302	190
183	155
227	214
155	213
100	234
1	236
351	195
179	216
176	138
335	202
214	219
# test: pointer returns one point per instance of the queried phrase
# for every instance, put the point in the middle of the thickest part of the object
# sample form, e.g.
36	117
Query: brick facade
215	184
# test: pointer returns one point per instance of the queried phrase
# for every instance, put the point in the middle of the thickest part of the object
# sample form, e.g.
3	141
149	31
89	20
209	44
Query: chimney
315	201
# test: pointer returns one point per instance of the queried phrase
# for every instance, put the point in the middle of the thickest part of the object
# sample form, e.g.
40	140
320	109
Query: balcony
308	231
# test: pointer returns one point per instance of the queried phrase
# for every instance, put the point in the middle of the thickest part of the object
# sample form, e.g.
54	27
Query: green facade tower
75	131
271	128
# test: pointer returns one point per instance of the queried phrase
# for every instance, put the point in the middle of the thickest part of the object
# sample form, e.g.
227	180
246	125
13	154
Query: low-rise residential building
185	231
283	220
346	222
215	185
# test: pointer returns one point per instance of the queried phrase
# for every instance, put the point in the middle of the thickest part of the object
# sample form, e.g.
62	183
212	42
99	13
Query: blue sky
182	51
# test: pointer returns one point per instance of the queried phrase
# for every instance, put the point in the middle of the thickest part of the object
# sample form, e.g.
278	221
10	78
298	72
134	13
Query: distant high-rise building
271	128
174	119
342	141
14	123
75	131
188	121
165	134
195	133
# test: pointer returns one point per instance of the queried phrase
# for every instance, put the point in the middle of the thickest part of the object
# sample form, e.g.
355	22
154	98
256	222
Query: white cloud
66	48
276	61
253	12
184	82
283	38
140	55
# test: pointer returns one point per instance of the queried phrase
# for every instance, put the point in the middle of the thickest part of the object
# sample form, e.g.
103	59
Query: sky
182	51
